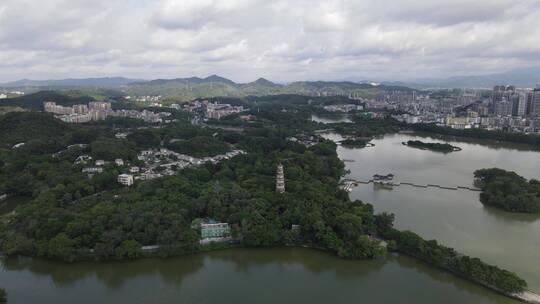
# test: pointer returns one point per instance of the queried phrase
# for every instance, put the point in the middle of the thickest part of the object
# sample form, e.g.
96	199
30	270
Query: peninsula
437	147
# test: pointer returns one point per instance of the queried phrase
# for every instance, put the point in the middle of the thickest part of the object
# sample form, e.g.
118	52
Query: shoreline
454	148
520	146
526	296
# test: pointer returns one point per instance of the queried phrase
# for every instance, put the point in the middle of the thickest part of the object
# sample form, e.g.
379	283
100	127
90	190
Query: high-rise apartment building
535	107
519	104
500	100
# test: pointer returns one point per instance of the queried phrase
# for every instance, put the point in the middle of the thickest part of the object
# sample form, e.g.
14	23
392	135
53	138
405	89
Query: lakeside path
528	297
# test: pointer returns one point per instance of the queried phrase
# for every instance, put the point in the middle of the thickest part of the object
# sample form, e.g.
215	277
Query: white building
99	105
125	179
82	159
76	118
52	107
18	145
411	119
100	162
119	162
92	170
121	135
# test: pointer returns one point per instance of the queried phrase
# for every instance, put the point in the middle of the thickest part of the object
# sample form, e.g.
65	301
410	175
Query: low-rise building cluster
5	94
306	139
147	116
218	110
164	162
152	100
343	108
209	109
97	166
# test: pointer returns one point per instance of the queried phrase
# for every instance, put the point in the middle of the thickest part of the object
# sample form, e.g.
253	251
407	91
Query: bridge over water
348	184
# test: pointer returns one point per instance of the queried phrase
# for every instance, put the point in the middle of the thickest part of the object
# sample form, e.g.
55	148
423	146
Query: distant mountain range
214	85
194	87
211	86
524	78
527	78
75	82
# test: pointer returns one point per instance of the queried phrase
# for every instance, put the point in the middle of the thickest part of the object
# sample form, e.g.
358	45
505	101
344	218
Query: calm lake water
286	275
282	275
455	218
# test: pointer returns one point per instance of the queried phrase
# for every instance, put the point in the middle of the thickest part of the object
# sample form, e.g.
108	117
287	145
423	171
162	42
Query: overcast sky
282	40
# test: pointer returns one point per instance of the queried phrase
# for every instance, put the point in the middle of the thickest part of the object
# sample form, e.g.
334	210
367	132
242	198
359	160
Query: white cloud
281	39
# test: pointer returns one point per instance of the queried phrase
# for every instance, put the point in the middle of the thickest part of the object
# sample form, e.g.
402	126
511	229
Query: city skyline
282	40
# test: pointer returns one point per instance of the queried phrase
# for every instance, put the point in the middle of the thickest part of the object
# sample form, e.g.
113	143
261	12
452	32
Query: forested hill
20	127
35	101
194	87
81	82
65	220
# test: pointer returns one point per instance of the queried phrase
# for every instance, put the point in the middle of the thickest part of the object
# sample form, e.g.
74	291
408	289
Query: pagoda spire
280	179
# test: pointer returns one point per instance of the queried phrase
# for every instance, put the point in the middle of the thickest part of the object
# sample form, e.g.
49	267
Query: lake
455	218
280	275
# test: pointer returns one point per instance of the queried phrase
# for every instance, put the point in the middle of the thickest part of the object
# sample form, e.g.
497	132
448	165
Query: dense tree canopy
199	146
69	216
508	191
438	147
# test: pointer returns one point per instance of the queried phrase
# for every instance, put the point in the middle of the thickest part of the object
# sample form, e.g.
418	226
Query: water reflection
314	261
242	276
112	274
510	217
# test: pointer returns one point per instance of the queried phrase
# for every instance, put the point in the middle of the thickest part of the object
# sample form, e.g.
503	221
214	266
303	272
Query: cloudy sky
281	40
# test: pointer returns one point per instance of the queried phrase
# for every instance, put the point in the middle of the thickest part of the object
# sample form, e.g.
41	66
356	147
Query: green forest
70	217
437	147
508	191
3	296
354	143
